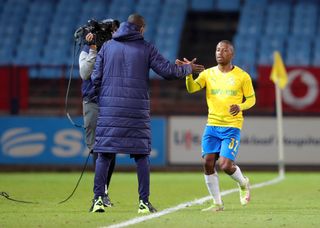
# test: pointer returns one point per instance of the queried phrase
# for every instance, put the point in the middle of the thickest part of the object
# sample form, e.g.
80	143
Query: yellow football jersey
223	90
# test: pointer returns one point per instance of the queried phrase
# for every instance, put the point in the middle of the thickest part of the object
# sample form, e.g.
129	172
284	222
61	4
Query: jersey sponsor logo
228	92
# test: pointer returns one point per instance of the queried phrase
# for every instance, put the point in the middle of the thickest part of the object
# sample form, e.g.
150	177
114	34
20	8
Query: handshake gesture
196	68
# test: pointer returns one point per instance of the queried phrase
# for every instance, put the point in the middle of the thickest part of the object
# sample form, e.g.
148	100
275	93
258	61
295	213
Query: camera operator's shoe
97	205
106	201
146	207
245	192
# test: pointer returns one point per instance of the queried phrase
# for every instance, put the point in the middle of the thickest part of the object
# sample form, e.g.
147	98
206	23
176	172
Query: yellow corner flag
279	74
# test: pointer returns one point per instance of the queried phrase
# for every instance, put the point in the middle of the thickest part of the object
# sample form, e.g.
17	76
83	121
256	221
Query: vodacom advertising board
302	93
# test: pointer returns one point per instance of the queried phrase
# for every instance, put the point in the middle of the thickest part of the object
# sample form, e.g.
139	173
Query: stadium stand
301	57
37	36
204	5
287	26
316	57
148	9
39	33
228	5
268	44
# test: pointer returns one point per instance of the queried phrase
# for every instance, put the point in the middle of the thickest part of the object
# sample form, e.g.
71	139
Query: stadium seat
268	45
247	64
316	59
204	5
247	26
257	3
245	42
97	11
298	53
6	56
27	56
246	52
50	72
304	19
316	53
120	9
170	28
149	9
11	18
278	19
228	5
307	1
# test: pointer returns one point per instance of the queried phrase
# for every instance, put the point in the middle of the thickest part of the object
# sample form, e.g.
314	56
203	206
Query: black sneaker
146	207
106	201
97	205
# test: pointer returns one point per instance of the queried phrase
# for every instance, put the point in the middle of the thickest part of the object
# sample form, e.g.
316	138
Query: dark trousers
143	171
111	167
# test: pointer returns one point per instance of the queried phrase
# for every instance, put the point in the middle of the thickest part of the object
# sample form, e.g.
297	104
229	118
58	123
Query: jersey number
233	144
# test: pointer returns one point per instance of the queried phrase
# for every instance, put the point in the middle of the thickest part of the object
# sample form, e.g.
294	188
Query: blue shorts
222	140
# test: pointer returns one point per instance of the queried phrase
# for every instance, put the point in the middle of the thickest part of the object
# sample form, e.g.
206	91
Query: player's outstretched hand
196	68
234	109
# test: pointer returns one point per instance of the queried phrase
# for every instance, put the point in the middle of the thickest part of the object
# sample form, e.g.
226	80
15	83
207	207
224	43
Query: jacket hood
127	32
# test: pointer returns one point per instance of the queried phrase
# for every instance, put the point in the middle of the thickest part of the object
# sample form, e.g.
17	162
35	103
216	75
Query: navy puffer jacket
121	77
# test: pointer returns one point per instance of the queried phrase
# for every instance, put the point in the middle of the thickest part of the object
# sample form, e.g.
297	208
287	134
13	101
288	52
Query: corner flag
278	74
280	78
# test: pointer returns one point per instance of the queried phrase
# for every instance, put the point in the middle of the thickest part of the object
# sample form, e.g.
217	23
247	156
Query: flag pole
280	131
280	78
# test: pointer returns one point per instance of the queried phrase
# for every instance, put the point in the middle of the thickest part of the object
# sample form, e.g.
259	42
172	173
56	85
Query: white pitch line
187	204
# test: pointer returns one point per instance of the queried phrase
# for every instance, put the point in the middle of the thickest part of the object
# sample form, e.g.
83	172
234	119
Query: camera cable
8	197
68	88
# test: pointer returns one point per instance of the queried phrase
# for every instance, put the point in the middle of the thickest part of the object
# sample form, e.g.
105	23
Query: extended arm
192	85
168	70
165	69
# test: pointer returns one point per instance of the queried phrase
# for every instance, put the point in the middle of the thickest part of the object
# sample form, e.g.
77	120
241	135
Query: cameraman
87	60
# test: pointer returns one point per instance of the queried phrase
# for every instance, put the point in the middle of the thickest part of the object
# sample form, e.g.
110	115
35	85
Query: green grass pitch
294	202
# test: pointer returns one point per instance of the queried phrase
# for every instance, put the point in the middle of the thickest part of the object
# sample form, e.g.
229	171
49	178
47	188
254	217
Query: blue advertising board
55	141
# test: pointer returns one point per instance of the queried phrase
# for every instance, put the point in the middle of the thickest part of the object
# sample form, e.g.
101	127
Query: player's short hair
228	42
137	19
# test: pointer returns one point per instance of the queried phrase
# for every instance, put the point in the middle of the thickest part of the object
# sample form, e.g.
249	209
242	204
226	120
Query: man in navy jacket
87	60
121	77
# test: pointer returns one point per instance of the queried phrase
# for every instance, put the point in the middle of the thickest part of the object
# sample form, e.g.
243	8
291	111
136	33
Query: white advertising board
258	140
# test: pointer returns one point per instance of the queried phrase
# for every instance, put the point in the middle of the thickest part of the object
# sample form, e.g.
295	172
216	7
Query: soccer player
226	88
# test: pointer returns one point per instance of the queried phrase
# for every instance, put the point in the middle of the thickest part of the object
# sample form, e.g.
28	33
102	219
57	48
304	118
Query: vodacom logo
309	81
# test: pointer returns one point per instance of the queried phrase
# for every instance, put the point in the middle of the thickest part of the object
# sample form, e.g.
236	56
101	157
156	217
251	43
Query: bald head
137	20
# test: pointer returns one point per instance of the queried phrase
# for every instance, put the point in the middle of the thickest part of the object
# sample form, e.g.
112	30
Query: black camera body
101	30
